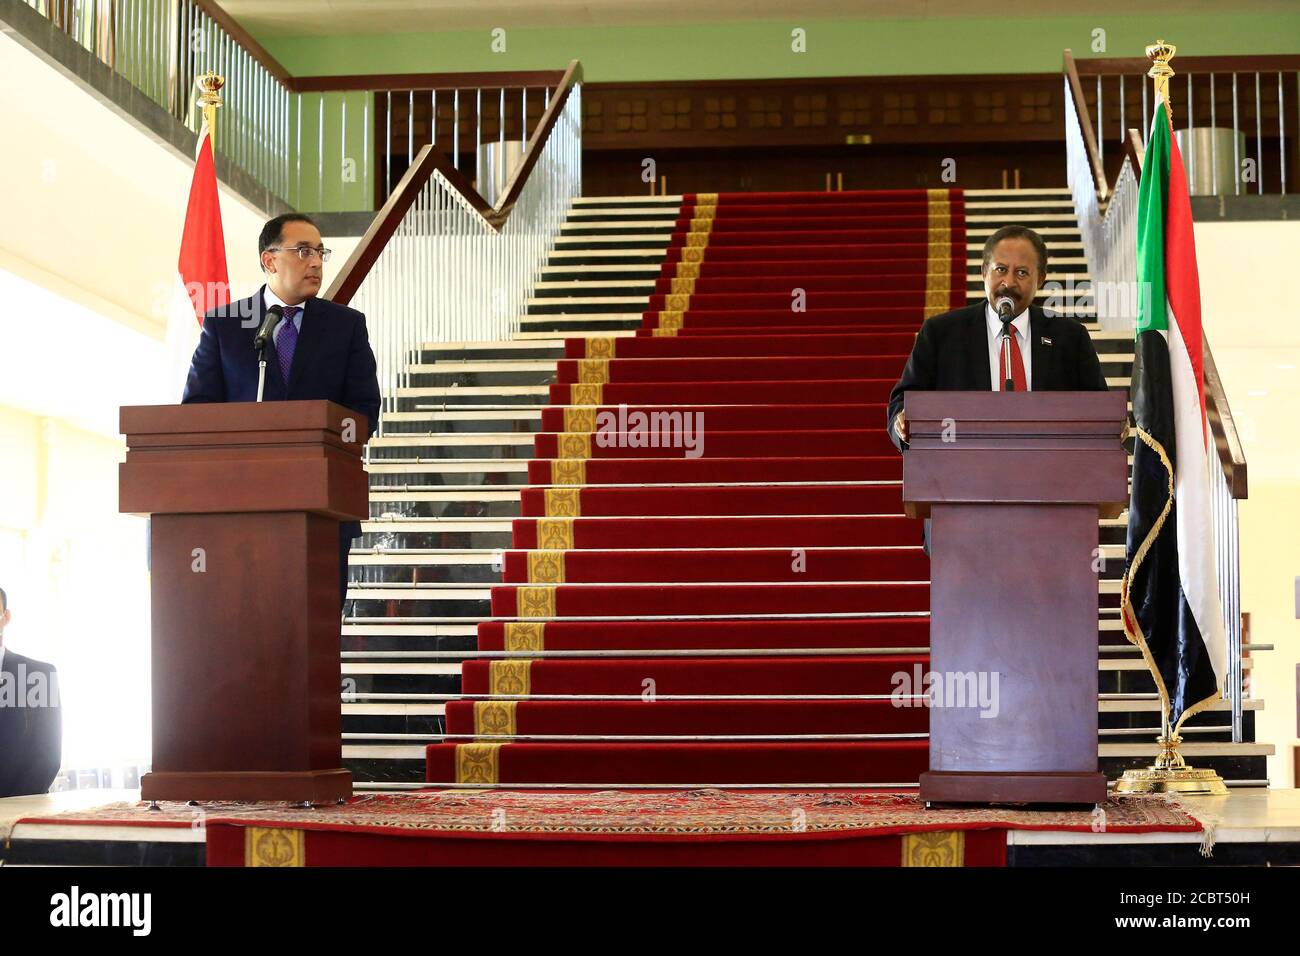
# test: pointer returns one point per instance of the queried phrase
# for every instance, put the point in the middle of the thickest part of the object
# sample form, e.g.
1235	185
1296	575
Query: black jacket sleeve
362	387
205	382
919	373
1087	365
46	753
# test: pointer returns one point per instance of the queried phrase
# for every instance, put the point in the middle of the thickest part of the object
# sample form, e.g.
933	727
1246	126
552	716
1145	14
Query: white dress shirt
269	299
1020	331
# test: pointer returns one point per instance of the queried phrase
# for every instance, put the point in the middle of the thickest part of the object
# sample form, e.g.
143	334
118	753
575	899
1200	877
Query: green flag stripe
1152	195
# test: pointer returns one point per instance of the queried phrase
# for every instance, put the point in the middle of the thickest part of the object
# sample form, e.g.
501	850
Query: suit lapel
309	336
977	349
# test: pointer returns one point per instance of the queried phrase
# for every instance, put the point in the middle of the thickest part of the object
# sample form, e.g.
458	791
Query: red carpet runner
728	462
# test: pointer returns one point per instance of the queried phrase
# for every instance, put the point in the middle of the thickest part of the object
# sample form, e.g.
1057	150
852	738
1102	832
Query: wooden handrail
430	160
1134	150
427	81
1266	63
371	81
1223	428
245	39
1085	128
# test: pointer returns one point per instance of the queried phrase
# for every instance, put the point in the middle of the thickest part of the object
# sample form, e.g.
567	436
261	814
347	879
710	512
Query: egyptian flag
202	282
1170	597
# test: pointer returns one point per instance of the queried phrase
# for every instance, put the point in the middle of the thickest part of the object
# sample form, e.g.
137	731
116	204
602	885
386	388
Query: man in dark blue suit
321	350
31	723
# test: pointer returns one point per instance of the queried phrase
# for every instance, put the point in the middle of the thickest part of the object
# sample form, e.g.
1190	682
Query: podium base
945	786
308	786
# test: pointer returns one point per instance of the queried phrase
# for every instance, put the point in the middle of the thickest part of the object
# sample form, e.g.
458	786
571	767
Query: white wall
1252	319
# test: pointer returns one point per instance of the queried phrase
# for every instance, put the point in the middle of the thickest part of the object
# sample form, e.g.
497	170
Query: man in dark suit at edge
31	721
963	349
321	350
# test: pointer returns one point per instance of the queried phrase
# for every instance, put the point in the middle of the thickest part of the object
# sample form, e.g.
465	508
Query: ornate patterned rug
691	813
614	827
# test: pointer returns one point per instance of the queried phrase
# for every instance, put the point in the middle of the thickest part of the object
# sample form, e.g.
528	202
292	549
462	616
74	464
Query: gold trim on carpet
938	300
525	636
478	763
586	393
697	240
535	601
555	534
563	502
274	846
663	333
671	319
600	347
704	211
939	281
509	678
691	254
677	302
495	717
579	418
939	239
687	270
568	471
593	371
545	567
573	445
934	848
706	199
684	286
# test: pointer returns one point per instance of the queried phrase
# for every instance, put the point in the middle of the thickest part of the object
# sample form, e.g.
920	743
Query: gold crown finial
210	84
1160	53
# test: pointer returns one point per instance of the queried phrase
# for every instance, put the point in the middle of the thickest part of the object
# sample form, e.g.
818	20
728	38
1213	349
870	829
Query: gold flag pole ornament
1169	773
210	99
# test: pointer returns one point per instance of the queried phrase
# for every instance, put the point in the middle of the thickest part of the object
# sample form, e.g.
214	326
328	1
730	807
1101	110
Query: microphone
1006	307
273	316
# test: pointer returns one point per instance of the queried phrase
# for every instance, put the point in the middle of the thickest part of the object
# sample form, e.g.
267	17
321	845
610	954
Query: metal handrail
441	263
431	160
1109	239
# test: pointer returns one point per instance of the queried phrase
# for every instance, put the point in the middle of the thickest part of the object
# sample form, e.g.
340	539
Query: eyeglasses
303	252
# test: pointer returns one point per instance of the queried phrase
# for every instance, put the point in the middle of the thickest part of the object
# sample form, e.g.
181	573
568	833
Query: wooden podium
246	501
1013	484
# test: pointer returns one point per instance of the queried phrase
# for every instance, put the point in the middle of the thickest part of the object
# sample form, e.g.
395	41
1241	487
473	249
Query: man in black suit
964	349
321	350
31	724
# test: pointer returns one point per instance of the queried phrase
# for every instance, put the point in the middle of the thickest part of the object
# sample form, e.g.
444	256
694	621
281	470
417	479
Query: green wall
725	51
750	50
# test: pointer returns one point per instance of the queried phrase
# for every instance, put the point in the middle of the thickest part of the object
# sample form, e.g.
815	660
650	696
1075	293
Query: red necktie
1017	364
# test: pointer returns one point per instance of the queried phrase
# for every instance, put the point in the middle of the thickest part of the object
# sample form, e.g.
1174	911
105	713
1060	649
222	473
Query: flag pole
1169	773
210	100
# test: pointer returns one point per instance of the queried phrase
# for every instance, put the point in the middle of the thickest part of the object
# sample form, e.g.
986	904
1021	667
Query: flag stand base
1169	774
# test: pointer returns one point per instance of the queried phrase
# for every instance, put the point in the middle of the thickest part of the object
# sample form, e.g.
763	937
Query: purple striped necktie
286	340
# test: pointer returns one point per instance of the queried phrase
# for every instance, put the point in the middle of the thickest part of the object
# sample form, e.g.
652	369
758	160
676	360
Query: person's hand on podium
900	426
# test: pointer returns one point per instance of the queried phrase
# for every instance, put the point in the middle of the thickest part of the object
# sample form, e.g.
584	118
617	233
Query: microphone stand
261	368
1008	383
261	340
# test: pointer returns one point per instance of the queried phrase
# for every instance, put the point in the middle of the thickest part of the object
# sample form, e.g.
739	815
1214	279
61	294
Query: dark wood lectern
246	501
1013	484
